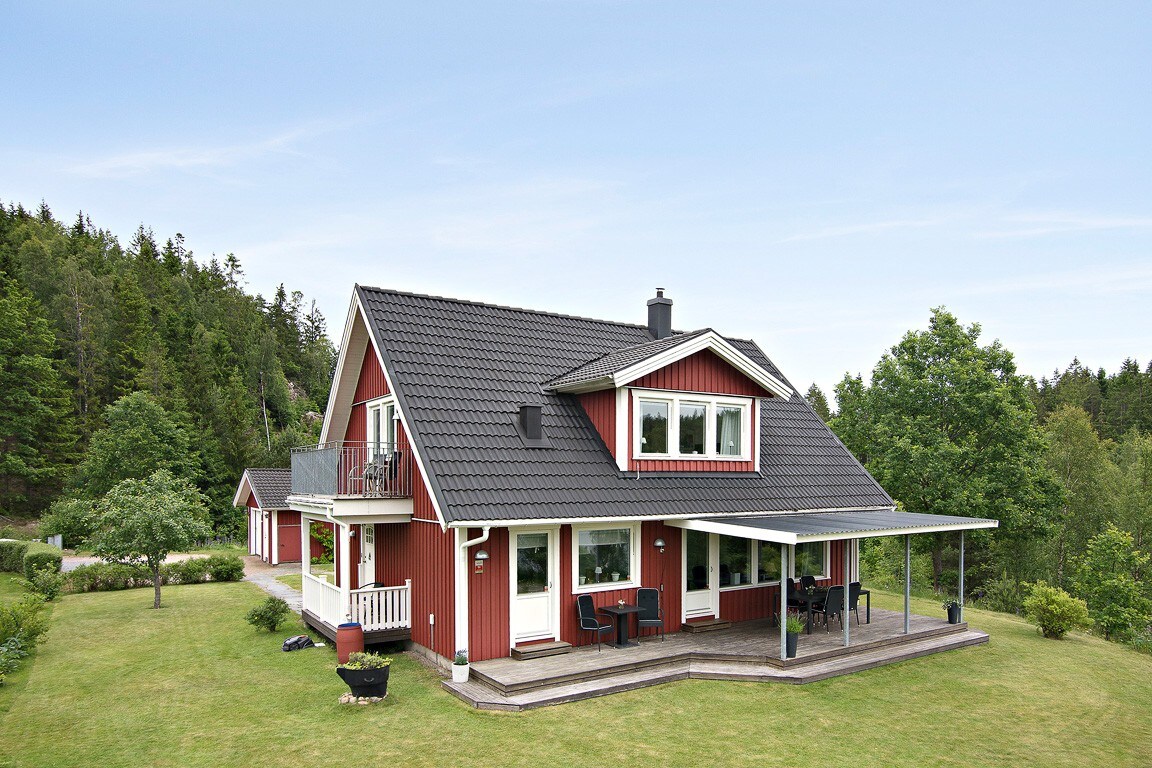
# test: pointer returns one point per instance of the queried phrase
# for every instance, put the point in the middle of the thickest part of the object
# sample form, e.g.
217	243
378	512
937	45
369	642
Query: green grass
294	580
193	684
10	587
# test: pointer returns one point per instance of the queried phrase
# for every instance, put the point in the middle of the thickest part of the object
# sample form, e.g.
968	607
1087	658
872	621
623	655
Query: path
72	562
265	576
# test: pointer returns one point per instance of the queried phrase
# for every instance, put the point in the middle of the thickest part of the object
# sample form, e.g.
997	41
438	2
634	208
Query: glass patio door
701	588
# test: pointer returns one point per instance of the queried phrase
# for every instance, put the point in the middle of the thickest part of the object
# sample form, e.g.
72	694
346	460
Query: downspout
462	602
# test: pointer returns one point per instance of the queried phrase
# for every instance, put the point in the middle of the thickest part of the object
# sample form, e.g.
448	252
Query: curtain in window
728	431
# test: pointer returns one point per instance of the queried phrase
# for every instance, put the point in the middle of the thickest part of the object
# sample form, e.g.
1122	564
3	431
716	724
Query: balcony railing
374	608
374	470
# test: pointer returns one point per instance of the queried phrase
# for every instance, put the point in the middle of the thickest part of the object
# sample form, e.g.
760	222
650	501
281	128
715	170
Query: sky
815	176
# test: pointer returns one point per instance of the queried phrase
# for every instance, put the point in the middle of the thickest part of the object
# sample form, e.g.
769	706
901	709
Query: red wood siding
289	535
750	603
601	409
701	372
489	598
371	383
670	465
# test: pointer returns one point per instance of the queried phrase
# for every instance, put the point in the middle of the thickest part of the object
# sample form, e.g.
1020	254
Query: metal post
961	598
847	578
783	602
907	580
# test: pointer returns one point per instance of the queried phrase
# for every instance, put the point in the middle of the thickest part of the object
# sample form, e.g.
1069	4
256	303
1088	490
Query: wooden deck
747	651
370	636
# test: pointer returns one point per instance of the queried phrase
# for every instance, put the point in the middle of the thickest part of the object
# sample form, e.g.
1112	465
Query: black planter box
366	682
953	614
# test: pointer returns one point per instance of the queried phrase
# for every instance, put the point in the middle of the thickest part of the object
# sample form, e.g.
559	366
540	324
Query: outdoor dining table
819	594
621	613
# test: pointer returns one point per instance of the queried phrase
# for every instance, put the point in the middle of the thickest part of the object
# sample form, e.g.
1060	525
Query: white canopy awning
831	526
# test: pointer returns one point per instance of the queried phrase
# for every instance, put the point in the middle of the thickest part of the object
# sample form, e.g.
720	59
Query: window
604	558
769	562
735	557
672	426
810	559
381	428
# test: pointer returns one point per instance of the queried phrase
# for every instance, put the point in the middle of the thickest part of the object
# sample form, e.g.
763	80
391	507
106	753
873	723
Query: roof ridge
504	307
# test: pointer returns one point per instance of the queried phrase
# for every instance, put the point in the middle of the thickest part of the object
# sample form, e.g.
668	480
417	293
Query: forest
948	426
107	349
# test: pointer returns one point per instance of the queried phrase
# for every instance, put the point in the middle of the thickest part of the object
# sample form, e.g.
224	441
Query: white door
533	571
264	529
253	531
367	554
701	583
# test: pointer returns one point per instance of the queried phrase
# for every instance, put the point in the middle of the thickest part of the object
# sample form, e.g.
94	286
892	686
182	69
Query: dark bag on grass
296	642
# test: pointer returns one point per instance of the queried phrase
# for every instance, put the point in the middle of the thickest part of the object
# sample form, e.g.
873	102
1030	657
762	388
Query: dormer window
690	426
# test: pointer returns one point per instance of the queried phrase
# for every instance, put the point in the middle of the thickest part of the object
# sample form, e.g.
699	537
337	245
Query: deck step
708	625
483	697
540	650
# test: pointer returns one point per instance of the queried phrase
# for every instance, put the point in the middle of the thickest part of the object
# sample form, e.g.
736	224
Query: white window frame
633	557
754	569
674	400
381	406
827	561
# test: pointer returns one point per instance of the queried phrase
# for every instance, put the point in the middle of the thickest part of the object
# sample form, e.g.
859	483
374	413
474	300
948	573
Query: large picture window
735	561
810	559
604	557
669	425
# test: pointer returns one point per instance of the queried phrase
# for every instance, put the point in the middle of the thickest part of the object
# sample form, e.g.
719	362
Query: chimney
660	316
530	422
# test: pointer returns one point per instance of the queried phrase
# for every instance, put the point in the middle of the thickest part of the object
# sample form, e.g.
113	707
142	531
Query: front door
367	555
533	570
701	588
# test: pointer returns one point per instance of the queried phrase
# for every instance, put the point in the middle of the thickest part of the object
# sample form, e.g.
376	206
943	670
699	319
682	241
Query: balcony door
701	582
534	585
367	554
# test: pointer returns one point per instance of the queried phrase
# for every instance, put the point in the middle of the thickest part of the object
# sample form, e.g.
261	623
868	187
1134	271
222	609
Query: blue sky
814	176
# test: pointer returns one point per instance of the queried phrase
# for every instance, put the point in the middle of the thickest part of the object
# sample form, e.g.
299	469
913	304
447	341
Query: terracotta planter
366	682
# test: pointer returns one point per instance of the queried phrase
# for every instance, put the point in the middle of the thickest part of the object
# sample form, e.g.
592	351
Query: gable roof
460	370
270	487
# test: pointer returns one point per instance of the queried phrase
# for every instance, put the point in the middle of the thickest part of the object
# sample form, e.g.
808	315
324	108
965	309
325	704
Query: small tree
1054	611
1106	580
141	521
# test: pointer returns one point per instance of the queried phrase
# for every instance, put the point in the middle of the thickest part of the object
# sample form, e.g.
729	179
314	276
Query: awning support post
783	602
961	597
847	578
907	580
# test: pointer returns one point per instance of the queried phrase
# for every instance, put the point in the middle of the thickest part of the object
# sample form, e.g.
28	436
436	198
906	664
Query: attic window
675	426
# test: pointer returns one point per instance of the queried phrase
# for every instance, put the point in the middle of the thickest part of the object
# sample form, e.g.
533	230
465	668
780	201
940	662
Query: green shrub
225	568
23	619
104	577
1004	594
192	571
47	582
74	519
367	660
12	555
1054	611
270	614
38	561
11	652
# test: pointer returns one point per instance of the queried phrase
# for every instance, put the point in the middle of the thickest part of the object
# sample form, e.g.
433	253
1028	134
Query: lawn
192	684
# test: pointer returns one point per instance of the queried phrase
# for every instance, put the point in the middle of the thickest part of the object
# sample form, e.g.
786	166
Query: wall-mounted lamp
481	556
659	544
351	532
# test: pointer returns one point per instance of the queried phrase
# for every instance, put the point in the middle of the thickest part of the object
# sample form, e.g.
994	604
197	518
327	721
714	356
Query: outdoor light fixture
481	556
659	544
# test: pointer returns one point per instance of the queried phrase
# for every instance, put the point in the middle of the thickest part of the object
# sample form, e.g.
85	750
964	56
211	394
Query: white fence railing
383	607
324	600
374	608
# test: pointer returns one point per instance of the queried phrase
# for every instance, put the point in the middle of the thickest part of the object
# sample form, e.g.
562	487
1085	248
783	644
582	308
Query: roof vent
660	316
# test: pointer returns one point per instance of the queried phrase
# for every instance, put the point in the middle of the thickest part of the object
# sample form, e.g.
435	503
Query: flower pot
583	580
366	682
615	576
460	672
953	614
735	579
791	638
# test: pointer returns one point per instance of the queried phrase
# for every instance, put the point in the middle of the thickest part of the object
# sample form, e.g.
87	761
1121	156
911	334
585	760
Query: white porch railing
383	607
374	608
324	600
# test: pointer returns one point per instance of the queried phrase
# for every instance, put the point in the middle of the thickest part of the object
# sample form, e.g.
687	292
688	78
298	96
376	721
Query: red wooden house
483	466
273	528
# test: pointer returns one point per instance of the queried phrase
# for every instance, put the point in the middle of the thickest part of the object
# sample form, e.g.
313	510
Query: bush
193	571
47	582
38	561
104	577
23	619
74	519
367	660
1054	611
225	568
1004	594
11	652
269	615
12	555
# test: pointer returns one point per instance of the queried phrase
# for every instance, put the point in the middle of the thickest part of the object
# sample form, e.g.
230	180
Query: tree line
949	426
106	349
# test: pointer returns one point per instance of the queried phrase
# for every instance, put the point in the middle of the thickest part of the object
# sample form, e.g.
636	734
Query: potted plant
366	674
793	626
460	666
952	605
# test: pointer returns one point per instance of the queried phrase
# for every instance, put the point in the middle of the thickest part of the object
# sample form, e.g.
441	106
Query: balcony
385	613
357	469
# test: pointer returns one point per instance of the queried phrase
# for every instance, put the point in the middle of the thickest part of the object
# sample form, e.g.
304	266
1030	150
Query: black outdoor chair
832	605
854	599
806	582
586	611
793	603
651	614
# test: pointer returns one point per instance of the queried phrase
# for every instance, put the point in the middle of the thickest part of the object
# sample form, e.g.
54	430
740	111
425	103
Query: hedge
105	577
35	561
12	555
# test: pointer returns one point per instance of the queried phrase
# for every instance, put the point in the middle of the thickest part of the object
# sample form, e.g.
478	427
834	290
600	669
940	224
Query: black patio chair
806	582
793	602
832	605
854	599
586	612
651	614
